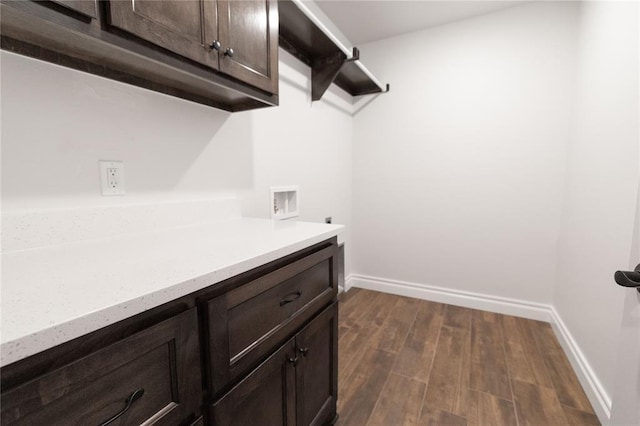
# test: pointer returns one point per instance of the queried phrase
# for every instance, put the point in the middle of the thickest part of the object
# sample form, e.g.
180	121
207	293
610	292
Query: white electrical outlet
112	177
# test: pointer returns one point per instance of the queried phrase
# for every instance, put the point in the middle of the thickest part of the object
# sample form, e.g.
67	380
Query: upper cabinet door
185	27
249	37
86	7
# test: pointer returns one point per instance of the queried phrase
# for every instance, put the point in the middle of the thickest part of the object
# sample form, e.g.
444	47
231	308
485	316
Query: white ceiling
362	21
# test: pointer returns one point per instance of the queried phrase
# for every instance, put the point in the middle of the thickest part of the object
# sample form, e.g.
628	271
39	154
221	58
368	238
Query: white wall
57	123
458	170
602	179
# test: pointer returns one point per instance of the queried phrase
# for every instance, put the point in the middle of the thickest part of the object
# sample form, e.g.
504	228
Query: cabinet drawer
248	322
160	363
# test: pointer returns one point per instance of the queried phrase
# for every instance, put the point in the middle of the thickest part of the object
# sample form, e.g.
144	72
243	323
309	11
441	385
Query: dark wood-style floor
406	361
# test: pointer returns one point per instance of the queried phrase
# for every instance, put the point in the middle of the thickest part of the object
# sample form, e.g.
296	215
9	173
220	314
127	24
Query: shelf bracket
355	56
323	72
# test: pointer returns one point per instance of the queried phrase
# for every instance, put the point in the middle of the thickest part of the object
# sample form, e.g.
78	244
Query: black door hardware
628	278
130	400
292	297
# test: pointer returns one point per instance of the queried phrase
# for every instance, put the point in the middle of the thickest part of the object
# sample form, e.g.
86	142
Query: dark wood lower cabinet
265	397
297	385
160	365
317	369
248	323
197	422
257	349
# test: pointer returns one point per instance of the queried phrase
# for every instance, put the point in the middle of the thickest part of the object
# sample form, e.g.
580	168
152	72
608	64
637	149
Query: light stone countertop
54	294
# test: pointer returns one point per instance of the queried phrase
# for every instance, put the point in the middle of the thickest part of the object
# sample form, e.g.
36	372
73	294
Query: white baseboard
599	399
348	282
501	305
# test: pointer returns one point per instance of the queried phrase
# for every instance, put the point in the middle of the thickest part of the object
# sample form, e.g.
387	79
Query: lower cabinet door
150	377
317	369
266	397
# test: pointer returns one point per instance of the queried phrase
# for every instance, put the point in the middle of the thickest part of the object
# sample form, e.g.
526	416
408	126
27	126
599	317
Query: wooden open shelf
303	35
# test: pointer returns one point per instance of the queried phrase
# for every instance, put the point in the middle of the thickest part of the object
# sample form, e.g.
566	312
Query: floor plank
345	296
435	417
399	403
517	356
393	332
524	359
416	356
580	418
352	308
405	362
537	405
489	371
378	311
358	396
461	401
444	381
565	382
342	331
457	316
363	328
485	409
351	347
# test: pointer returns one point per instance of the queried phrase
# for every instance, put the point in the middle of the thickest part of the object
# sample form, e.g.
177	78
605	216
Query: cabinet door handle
293	360
128	402
215	45
304	351
292	297
228	52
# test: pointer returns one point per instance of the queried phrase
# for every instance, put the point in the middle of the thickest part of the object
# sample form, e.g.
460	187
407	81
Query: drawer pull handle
291	297
128	402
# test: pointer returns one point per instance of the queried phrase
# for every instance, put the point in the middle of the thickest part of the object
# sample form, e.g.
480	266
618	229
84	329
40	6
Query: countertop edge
39	341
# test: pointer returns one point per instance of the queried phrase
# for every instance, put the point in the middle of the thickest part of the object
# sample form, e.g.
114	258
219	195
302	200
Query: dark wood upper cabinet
186	27
249	29
239	38
85	7
176	47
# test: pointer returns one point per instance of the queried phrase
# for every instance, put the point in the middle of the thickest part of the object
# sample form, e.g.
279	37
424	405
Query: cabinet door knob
228	52
293	360
304	351
215	45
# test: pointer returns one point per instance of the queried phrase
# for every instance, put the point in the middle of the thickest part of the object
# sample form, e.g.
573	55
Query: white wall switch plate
112	177
284	202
